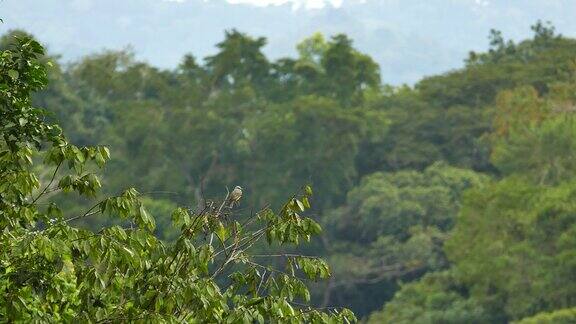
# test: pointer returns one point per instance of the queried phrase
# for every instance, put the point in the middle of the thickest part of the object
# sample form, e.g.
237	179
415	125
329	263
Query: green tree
347	71
312	49
240	61
513	244
534	135
538	62
421	133
393	226
437	297
561	316
301	141
51	270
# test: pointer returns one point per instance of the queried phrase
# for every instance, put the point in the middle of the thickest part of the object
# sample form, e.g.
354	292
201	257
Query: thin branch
258	233
162	192
285	255
49	184
383	274
87	214
313	308
219	212
252	218
269	268
262	280
223	202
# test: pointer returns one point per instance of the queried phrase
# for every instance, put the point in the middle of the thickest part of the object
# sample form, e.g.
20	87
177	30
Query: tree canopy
53	270
447	201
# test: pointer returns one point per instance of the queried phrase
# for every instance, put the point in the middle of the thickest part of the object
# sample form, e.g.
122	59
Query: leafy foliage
560	316
512	243
394	225
390	165
436	298
51	270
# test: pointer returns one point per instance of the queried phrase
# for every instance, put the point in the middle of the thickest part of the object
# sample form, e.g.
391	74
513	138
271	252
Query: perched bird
235	196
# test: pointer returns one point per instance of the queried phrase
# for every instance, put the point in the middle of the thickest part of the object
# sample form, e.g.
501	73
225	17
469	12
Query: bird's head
237	188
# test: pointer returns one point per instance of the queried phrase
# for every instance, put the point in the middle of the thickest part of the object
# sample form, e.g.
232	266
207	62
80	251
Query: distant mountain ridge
409	39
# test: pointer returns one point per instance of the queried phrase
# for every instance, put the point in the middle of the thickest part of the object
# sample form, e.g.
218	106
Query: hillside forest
452	200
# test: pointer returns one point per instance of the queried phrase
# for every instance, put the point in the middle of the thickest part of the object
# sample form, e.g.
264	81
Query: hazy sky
409	38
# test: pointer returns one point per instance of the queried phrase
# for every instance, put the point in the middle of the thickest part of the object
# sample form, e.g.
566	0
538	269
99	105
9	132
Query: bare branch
49	184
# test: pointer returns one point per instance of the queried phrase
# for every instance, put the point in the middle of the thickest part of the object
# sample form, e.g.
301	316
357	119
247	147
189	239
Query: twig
384	273
261	281
49	184
258	232
223	202
82	216
286	255
88	212
218	213
276	271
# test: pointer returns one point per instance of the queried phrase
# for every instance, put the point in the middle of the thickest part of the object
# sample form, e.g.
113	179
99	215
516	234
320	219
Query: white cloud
296	4
482	3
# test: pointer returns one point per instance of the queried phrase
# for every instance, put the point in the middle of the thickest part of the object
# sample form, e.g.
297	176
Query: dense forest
450	201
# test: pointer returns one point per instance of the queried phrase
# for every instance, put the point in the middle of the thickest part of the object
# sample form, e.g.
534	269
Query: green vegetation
452	201
53	271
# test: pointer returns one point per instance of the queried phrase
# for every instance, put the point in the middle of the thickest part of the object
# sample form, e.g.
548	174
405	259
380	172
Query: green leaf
147	220
221	231
306	202
13	74
105	152
300	205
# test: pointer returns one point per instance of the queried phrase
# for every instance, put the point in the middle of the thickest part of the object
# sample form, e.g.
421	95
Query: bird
235	196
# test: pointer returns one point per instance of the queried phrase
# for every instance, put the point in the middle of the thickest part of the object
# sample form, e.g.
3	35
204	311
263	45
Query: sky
410	39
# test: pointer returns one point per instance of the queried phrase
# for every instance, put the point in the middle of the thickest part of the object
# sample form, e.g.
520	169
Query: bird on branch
235	196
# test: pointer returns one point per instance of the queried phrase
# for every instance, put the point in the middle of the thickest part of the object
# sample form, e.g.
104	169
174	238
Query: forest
449	201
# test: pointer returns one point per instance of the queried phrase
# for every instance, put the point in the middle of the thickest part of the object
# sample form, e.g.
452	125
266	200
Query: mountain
409	38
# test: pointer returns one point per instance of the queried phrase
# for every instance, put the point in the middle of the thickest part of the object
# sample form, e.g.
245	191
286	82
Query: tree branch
49	184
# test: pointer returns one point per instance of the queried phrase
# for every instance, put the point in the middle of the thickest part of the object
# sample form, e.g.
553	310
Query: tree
513	245
421	133
534	136
312	49
561	316
537	62
301	140
51	270
347	71
393	226
437	297
239	62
